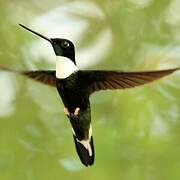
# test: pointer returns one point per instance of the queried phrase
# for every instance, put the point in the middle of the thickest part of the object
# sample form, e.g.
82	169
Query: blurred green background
136	131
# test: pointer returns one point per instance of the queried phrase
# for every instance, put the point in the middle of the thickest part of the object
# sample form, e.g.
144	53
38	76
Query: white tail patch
64	67
86	143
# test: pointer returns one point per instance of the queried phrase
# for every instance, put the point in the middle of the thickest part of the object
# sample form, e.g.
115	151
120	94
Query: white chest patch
64	67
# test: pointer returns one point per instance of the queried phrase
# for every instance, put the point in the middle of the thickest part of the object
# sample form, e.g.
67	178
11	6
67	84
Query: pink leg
66	111
77	111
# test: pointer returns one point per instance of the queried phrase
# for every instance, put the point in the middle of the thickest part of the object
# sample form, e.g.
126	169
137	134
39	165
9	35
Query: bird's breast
72	93
64	67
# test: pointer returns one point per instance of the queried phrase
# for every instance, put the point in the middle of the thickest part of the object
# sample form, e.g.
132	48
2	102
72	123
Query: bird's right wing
46	77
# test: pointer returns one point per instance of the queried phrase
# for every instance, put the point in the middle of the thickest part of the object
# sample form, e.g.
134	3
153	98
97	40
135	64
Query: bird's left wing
46	77
103	80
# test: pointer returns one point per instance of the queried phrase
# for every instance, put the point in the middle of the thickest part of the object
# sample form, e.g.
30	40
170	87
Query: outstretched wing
103	80
45	77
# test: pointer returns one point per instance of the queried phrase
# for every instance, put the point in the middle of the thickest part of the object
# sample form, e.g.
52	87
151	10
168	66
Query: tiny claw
66	111
76	112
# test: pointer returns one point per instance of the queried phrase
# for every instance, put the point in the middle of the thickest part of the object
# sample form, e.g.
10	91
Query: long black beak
48	39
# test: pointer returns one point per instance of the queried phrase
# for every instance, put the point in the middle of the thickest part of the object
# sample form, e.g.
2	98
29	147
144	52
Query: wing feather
47	77
102	80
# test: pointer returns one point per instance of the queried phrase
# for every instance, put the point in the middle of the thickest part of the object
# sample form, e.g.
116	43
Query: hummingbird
75	87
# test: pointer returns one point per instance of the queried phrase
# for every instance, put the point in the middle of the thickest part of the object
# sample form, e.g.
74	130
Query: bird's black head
62	47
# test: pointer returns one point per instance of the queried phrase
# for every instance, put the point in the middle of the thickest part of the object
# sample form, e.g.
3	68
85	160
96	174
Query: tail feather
85	150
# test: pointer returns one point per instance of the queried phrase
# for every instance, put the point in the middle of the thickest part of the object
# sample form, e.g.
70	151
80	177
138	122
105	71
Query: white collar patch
64	67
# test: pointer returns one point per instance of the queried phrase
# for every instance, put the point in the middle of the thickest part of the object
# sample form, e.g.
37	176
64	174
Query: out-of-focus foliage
136	131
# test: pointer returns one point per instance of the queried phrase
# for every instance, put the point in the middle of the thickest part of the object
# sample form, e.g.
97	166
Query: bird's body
75	96
73	93
75	87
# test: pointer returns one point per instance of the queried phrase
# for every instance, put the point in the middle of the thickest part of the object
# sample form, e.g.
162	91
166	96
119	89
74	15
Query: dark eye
65	44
